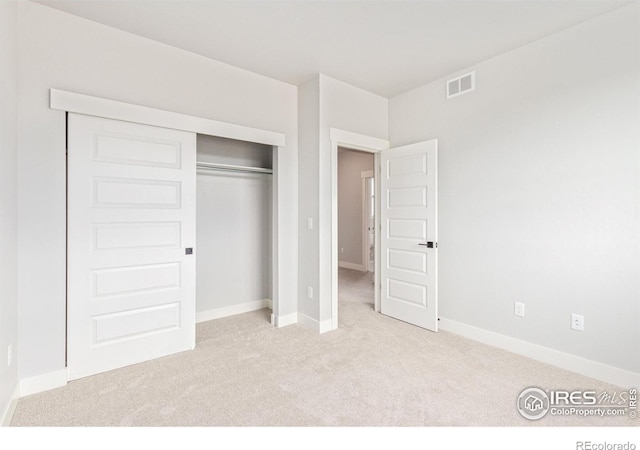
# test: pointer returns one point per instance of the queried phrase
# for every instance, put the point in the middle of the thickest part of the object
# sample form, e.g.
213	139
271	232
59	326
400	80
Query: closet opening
234	224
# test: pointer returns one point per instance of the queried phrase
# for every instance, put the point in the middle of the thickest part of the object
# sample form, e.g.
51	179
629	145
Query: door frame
361	142
365	218
111	109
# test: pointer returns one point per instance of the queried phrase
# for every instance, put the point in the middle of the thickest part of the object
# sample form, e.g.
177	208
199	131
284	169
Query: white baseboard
227	311
308	322
583	366
353	266
7	415
283	321
44	382
314	325
325	325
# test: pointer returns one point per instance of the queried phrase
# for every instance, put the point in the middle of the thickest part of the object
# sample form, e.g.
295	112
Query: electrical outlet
577	322
342	250
9	354
309	223
518	309
309	292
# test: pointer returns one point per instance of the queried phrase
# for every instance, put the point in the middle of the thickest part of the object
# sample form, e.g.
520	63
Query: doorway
355	181
356	228
351	141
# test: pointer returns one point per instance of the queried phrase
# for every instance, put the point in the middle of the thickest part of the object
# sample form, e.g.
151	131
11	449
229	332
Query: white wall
351	164
309	141
539	189
233	227
66	52
326	103
8	203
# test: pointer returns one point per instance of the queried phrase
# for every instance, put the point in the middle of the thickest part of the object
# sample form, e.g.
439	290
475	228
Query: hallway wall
351	164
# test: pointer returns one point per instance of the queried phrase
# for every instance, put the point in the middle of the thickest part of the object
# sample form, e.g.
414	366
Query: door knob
430	244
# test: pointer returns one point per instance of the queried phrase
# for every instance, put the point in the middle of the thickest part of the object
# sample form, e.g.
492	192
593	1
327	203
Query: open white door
409	235
131	232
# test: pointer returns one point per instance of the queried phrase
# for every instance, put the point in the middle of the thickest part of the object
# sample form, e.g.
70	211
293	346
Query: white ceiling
386	47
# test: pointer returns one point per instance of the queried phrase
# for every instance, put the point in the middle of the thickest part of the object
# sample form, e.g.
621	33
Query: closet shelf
232	168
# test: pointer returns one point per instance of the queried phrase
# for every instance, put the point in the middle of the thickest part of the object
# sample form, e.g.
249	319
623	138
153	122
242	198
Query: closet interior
233	227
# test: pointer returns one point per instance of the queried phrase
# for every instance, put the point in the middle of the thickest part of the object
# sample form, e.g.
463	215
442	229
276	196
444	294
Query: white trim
44	382
378	226
325	326
365	220
364	229
354	141
111	109
586	367
276	231
5	419
227	311
352	266
283	321
313	325
308	322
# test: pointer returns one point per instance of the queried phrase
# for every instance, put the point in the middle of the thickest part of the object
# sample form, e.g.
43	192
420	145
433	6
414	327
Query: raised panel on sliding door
132	280
134	323
133	150
133	193
136	235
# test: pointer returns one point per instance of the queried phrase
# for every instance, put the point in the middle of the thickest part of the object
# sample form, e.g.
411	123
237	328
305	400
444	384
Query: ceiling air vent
461	85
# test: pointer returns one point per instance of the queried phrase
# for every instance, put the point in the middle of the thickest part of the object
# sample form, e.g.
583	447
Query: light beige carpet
372	371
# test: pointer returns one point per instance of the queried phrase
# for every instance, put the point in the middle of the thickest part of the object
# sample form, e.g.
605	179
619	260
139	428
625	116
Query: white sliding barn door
409	260
131	218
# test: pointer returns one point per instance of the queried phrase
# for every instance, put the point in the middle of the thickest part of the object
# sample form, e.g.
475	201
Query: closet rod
232	168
